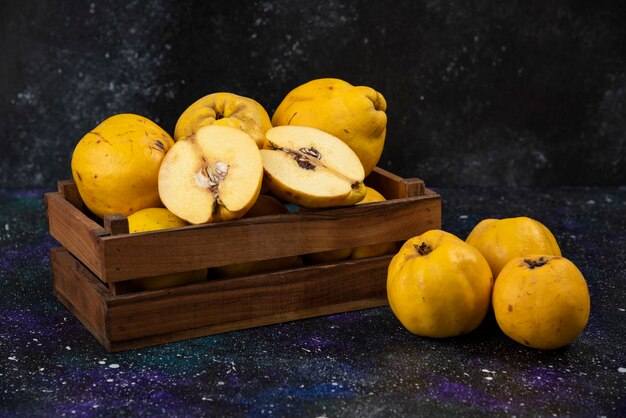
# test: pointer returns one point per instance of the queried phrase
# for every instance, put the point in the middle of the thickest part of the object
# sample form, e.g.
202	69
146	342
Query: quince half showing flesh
312	169
214	175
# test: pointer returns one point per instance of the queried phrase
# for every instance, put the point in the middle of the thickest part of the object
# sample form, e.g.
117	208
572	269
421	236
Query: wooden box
92	271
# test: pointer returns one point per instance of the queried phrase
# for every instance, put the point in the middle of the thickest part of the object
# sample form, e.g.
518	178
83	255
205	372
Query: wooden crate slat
69	190
189	248
186	334
147	318
116	224
392	186
81	292
75	231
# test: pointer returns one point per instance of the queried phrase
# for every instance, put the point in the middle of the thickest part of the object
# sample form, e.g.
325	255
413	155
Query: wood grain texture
114	256
68	189
186	334
156	317
392	186
116	224
194	247
81	292
249	301
75	231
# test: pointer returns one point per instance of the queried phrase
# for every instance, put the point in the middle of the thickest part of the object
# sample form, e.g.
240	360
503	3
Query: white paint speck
621	309
102	362
489	378
13	358
114	366
622	370
220	383
68	348
109	380
462	216
591	202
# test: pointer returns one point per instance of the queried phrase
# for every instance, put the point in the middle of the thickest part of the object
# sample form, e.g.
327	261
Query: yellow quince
541	301
116	165
501	240
226	109
439	286
354	114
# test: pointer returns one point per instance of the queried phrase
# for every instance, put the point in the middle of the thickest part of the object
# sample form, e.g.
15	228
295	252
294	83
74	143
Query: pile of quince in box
239	221
227	161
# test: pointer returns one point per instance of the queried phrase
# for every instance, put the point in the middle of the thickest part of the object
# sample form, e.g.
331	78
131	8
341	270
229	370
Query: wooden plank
392	186
240	325
195	247
116	224
69	191
81	292
75	231
229	304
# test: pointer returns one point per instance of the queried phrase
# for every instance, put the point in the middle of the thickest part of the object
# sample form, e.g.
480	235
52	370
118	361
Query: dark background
479	93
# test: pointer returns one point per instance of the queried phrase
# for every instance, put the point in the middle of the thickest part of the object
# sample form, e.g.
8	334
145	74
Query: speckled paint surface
355	364
532	94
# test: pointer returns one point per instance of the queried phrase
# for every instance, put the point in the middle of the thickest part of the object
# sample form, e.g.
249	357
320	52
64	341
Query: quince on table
439	286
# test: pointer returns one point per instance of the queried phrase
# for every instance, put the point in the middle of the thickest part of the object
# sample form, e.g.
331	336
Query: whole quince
501	240
226	109
541	301
154	219
354	114
438	285
116	165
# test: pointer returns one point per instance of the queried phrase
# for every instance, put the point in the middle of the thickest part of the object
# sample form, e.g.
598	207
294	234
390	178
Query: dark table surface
355	364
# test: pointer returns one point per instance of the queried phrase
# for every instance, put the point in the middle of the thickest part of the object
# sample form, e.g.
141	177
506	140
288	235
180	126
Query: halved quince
310	168
213	175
